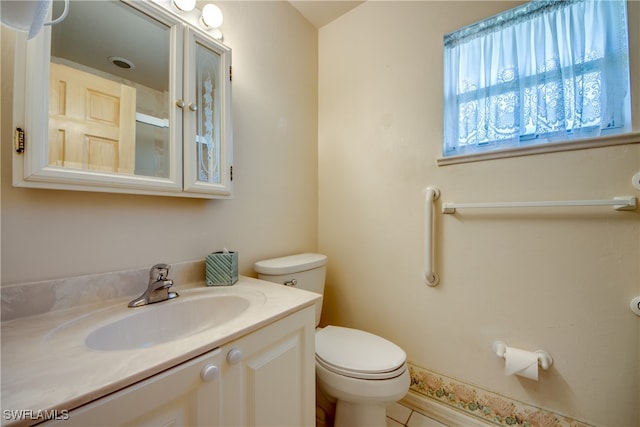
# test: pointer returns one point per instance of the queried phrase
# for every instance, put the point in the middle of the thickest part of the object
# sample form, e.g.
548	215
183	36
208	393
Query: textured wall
50	234
560	280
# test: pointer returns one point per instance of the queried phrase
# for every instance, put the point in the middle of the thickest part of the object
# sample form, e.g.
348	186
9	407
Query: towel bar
623	203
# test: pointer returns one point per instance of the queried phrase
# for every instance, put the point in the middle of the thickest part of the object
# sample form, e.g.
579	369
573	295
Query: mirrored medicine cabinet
124	96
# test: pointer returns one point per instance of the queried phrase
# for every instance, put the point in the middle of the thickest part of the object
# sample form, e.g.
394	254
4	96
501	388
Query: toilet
359	371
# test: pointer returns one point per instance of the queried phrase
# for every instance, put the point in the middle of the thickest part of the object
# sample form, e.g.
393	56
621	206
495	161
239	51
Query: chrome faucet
158	289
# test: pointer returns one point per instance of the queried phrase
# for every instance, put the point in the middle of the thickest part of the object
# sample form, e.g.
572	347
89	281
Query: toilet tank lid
290	264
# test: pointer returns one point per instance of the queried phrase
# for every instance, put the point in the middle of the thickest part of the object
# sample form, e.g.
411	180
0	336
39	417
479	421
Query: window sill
606	141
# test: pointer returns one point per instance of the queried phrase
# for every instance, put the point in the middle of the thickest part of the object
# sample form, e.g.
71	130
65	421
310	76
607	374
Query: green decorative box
221	268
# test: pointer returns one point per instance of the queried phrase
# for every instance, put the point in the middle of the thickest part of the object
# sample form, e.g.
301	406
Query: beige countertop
46	365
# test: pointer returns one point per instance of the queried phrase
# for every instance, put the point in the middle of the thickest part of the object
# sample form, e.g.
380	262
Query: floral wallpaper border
483	404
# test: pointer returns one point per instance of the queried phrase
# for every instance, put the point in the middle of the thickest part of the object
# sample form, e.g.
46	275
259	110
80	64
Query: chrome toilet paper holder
544	359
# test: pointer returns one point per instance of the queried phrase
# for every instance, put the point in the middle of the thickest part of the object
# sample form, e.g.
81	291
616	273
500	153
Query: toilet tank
303	271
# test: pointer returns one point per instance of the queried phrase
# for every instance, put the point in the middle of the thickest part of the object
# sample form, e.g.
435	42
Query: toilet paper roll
521	362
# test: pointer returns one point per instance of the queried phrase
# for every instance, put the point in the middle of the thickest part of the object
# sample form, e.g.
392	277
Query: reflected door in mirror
91	121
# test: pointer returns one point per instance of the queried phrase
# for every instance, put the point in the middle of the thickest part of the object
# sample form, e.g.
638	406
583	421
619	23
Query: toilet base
349	414
360	403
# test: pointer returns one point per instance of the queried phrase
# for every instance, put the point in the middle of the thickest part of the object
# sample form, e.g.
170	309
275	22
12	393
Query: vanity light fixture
184	5
211	20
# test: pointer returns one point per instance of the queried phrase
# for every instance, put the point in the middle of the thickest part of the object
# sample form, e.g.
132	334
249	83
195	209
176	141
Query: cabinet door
90	124
268	377
187	395
207	116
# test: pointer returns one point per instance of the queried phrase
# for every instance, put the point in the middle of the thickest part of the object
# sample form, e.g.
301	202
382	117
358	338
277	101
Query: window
547	71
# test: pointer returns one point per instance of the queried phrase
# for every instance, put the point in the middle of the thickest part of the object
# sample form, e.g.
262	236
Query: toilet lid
358	354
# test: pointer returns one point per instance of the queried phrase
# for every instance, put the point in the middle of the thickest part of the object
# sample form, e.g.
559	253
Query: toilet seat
358	354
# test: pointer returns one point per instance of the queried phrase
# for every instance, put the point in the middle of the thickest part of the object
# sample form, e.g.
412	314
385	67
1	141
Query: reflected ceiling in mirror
94	31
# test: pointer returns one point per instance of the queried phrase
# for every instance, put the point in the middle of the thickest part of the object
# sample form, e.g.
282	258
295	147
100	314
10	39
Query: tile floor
399	416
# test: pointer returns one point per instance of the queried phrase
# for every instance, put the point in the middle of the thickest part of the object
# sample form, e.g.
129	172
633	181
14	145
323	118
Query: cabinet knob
180	103
209	372
193	107
234	356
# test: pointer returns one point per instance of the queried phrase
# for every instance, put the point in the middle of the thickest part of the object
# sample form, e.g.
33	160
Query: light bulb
185	5
211	16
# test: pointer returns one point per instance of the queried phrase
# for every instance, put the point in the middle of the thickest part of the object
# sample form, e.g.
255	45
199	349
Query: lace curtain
545	71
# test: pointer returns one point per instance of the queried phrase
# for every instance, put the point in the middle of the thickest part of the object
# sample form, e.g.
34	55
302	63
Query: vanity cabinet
268	377
187	395
264	378
127	97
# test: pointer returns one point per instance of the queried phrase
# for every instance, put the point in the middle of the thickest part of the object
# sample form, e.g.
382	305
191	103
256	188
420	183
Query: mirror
124	96
109	90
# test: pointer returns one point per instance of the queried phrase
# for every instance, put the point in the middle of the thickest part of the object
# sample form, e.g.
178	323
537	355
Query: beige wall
51	234
559	280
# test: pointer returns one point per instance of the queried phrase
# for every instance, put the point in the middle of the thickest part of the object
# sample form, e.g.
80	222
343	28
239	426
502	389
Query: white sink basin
166	321
118	327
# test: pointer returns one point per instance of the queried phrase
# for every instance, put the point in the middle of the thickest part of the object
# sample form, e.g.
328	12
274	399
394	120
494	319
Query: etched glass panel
208	114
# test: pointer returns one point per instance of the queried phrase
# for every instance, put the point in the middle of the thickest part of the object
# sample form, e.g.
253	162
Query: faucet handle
159	272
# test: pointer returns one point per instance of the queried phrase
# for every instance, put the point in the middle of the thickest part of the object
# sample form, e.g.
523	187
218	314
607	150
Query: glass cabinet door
207	151
97	109
108	100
